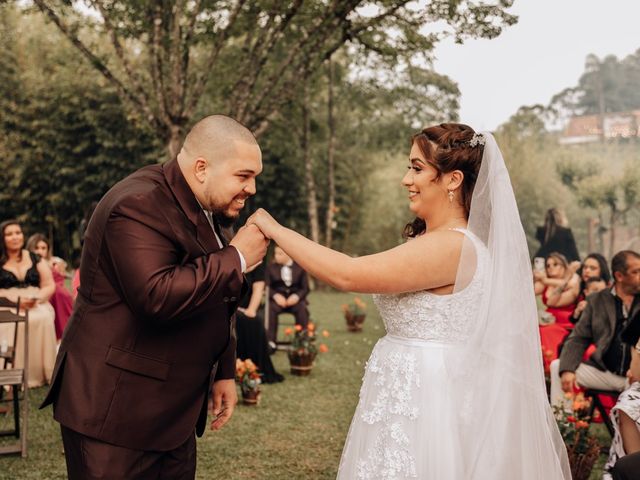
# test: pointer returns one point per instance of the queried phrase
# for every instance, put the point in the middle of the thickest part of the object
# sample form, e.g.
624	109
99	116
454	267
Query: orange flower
325	333
311	327
288	331
582	424
298	328
323	348
250	365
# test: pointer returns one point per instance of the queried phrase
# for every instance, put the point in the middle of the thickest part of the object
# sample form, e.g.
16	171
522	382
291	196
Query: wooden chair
597	404
16	378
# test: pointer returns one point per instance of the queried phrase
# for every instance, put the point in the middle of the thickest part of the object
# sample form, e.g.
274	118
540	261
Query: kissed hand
264	221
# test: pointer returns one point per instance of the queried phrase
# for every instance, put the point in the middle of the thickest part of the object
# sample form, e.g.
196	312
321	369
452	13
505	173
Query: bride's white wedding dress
403	425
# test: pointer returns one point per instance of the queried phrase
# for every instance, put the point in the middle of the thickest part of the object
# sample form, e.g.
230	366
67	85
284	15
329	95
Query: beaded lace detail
396	377
428	316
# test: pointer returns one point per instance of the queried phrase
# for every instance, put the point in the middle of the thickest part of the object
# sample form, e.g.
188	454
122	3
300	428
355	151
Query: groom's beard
223	219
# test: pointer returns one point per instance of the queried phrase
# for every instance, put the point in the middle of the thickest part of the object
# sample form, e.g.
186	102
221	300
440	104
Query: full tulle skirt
404	424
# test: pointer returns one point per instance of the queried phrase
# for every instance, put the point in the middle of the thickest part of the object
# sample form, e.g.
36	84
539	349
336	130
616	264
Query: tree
607	85
69	140
162	55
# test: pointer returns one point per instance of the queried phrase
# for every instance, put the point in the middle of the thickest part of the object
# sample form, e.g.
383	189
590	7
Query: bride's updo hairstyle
448	147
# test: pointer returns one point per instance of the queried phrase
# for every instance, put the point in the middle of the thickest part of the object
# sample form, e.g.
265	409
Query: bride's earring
450	196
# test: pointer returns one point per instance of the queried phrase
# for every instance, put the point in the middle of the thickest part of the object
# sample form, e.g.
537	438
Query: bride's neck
456	219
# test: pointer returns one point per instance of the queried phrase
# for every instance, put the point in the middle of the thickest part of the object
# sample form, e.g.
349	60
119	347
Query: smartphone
538	264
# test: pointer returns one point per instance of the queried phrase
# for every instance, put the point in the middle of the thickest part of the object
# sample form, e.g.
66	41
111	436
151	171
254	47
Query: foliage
607	85
69	140
161	56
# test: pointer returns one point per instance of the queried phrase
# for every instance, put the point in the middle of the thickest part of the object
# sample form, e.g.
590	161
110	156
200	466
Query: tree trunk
174	142
612	232
312	201
591	241
331	206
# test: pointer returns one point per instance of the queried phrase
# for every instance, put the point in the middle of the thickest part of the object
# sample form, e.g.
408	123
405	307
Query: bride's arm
424	263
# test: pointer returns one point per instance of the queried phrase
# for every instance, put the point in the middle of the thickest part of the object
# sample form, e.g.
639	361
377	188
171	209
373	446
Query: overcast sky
538	57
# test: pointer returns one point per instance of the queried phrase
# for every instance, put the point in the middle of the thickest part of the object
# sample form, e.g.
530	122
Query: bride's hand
264	222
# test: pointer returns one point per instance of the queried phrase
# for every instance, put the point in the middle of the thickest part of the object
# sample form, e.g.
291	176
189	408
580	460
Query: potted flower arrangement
583	449
303	349
355	313
248	378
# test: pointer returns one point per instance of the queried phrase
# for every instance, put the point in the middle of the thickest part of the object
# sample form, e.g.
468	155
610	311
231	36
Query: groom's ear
199	169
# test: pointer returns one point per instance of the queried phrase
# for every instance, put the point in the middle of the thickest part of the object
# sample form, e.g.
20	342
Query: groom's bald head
220	159
214	137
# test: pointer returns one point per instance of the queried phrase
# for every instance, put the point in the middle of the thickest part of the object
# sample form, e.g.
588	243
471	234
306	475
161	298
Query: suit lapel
206	237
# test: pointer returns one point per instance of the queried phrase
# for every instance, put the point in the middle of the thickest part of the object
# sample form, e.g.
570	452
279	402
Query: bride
455	390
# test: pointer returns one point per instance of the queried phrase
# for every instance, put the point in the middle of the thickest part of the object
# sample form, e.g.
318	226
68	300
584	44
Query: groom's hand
251	243
225	398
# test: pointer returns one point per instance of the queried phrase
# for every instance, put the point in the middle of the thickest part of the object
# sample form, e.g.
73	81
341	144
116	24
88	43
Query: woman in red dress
559	287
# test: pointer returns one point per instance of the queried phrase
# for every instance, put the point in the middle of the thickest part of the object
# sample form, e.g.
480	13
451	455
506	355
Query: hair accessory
477	139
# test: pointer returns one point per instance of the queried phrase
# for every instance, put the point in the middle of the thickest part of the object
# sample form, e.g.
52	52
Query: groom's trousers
91	459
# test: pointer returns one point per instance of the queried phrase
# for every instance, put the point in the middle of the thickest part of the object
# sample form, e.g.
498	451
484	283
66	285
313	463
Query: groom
152	328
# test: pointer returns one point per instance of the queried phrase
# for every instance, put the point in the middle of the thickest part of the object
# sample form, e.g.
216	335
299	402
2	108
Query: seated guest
26	276
250	331
625	415
559	287
601	324
61	300
593	266
288	289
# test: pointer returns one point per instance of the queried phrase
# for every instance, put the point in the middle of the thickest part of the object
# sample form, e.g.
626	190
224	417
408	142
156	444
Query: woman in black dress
252	337
26	276
556	236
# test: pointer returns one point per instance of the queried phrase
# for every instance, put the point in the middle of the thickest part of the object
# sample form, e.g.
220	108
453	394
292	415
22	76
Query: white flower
477	139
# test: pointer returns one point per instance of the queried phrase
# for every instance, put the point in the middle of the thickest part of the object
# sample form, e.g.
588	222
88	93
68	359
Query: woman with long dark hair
26	276
556	236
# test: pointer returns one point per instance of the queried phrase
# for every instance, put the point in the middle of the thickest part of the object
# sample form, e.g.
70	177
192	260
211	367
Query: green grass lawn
296	432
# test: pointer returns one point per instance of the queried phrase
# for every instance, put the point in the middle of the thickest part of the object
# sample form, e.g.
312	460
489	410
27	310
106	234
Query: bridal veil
506	428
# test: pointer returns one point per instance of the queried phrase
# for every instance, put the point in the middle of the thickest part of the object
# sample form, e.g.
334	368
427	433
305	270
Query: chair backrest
7	316
5	302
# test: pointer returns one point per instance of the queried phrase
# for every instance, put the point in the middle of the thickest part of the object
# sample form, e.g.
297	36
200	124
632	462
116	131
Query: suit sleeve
155	284
577	342
227	361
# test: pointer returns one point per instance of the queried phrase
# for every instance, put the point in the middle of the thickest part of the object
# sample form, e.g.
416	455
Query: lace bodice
428	316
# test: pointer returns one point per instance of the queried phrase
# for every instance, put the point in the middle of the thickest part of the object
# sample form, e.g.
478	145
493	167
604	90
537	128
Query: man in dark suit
288	290
604	318
152	328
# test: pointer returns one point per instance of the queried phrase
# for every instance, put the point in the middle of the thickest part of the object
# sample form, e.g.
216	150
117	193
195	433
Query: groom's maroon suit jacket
153	317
